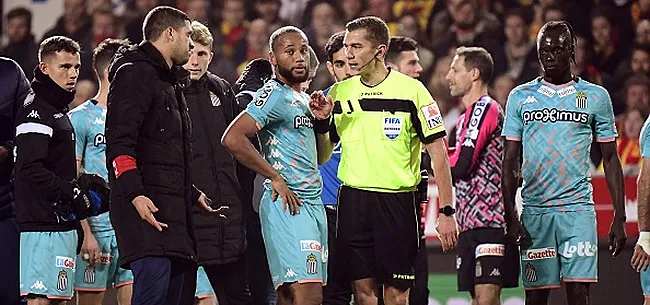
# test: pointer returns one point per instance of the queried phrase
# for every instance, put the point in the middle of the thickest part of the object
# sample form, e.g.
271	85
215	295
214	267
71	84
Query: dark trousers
337	291
229	282
419	294
158	281
9	262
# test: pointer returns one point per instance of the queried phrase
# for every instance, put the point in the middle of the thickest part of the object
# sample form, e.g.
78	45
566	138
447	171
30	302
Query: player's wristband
644	241
322	126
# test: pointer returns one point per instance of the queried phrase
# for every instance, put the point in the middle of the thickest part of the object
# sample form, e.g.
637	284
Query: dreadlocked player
554	118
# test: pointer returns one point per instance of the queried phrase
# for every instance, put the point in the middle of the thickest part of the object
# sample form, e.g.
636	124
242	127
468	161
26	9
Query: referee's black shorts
377	236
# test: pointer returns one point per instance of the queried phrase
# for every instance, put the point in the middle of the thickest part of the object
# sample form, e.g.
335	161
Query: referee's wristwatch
447	210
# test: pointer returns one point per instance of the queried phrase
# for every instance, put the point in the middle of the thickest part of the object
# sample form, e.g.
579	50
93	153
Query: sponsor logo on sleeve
261	99
34	115
536	254
310	245
432	116
490	250
65	262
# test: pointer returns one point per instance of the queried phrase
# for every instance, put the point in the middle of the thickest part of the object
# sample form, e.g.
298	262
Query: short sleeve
604	121
644	139
428	122
80	132
513	126
264	106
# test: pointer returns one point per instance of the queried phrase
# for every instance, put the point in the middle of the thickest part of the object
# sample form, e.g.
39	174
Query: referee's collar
379	83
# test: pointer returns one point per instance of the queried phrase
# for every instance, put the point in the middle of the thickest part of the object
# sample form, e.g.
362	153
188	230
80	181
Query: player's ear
272	58
330	68
475	73
43	67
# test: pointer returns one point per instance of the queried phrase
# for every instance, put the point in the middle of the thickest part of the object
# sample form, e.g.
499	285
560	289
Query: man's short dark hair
334	44
376	29
160	18
104	52
273	40
478	58
21	12
399	44
523	14
54	44
637	80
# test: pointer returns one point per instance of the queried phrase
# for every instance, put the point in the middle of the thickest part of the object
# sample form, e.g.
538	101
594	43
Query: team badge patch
432	116
312	264
392	127
530	273
581	100
62	281
89	274
215	100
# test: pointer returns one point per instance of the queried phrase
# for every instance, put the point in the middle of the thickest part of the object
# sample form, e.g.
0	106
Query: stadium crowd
613	39
146	93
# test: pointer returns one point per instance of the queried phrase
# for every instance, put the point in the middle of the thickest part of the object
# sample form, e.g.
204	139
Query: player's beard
288	75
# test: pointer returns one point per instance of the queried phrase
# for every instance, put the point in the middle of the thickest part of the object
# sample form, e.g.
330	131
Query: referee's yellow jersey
381	130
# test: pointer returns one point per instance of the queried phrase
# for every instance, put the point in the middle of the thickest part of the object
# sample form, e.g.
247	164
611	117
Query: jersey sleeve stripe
391	105
434	137
605	140
34	128
513	138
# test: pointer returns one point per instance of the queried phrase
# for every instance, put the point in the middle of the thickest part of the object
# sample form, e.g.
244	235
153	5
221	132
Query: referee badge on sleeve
432	115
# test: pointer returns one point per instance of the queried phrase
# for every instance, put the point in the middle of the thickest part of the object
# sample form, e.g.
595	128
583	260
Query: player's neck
559	79
102	95
375	74
295	87
477	91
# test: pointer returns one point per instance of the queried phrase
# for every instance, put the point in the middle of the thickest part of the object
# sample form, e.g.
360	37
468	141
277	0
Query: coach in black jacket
221	243
149	156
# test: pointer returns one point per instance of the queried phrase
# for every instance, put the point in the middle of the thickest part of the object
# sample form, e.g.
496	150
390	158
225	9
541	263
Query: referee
382	118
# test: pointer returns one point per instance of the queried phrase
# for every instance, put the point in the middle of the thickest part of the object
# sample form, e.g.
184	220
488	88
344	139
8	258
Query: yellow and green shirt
381	130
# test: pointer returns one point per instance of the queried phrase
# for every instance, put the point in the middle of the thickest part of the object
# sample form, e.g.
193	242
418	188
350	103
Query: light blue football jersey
287	137
644	139
88	120
556	125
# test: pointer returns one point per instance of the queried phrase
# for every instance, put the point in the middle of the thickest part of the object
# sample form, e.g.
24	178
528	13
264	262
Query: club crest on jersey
312	264
392	127
215	100
62	281
581	100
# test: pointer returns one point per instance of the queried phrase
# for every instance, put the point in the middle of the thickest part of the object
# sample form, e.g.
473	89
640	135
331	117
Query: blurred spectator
232	35
269	10
638	62
519	49
382	9
421	11
607	47
199	10
627	143
352	8
134	28
583	67
21	46
76	24
103	26
501	89
408	27
553	12
640	10
642	33
637	95
322	21
257	42
292	10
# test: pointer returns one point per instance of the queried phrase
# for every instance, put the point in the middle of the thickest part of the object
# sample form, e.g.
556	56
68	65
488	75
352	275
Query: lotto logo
490	250
310	245
535	254
582	249
64	262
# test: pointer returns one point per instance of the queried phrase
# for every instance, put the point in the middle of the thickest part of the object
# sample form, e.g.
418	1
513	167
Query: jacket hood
49	91
146	52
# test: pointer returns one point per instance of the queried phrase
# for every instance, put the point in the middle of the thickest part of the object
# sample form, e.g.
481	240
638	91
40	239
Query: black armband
322	126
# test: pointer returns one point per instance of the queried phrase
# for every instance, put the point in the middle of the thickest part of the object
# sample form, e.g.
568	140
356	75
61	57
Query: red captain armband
123	164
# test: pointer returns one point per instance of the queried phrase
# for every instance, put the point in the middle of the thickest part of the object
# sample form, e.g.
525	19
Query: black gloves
80	201
98	193
256	73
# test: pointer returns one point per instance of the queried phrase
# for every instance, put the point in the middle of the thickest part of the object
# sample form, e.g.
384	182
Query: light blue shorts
203	286
106	274
48	263
296	245
561	246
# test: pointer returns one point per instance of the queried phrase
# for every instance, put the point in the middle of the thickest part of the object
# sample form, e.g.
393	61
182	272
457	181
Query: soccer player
337	291
554	119
203	294
486	261
291	211
402	56
97	265
49	201
641	258
381	119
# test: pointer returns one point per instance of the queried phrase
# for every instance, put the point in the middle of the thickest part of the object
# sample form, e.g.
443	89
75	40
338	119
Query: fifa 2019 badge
392	127
62	281
581	100
312	264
